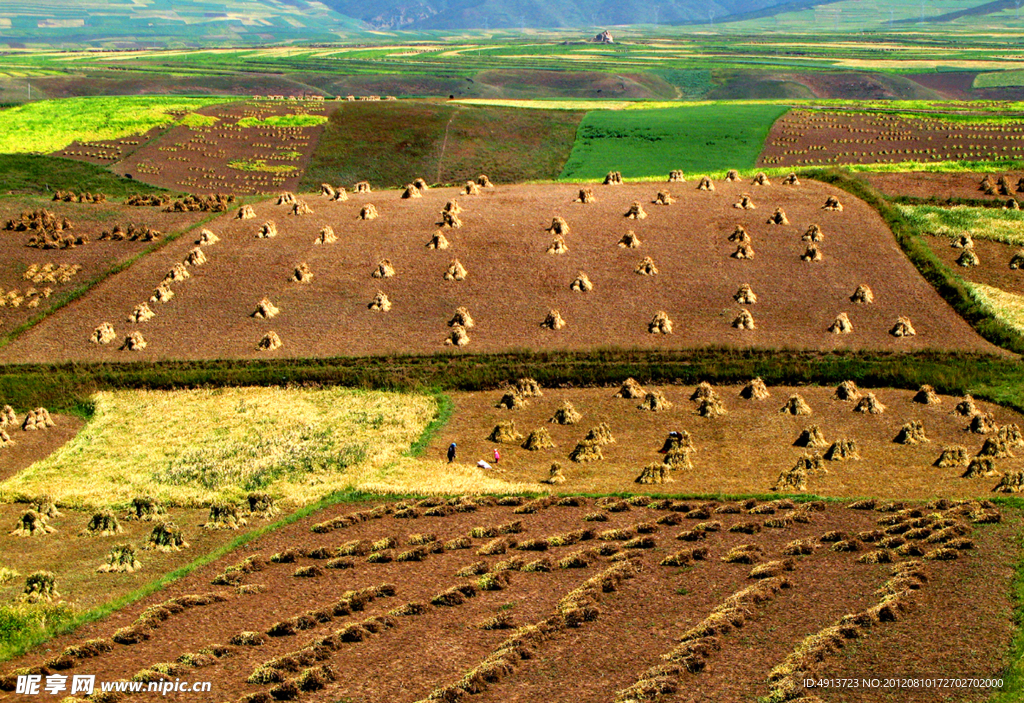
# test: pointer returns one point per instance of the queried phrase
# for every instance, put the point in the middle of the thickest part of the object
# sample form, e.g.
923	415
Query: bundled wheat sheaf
269	342
911	433
32	524
961	241
745	203
705	183
483	181
739	235
141	313
903	328
556	475
661	324
380	302
288	198
8	418
166	537
710	408
983	423
457	337
553	321
813	234
676	176
968	258
655	401
832	204
340	195
421	184
843	450
796	405
302	273
631	389
863	294
586	451
586	196
744	320
103	524
368	212
558	246
245	213
134	342
438	241
104	334
5	439
581	283
732	176
471	188
462	317
40	586
162	294
755	390
566	414
966	407
646	267
178	273
1017	261
761	179
778	217
745	295
326	236
952	457
300	207
558	227
663	198
614	178
812	253
636	211
384	269
869	404
841	325
655	474
121	559
629	240
456	271
791	180
362	187
411	191
538	439
265	310
743	251
505	432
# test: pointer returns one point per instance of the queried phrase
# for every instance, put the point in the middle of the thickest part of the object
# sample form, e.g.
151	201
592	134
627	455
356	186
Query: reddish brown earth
942	186
195	159
637	621
512	283
811	137
94	258
994	267
30	447
953	85
724	462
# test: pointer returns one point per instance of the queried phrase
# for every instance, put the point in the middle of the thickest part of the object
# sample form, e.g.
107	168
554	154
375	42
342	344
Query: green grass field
650	143
49	125
1006	226
30	173
440	142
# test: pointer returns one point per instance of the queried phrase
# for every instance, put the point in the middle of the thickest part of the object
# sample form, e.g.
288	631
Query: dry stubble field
512	283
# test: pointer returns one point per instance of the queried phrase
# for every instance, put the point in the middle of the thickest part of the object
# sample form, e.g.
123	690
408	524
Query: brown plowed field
938	185
95	257
195	159
724	462
638	608
32	446
512	283
994	267
810	138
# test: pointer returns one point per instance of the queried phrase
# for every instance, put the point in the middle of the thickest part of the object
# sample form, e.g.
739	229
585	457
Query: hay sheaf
705	184
755	390
635	211
745	203
553	321
456	271
870	405
841	325
655	474
778	217
796	405
655	401
539	439
661	324
911	433
744	320
863	295
581	283
566	414
631	388
629	240
458	337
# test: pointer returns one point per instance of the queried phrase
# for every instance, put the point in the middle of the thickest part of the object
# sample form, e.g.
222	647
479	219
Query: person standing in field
497	455
451	452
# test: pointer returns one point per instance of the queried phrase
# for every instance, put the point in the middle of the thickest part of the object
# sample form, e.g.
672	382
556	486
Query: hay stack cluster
133	233
778	217
581	283
456	271
745	203
791	180
1012	482
968	258
796	405
122	559
745	295
812	253
655	474
841	325
566	414
761	179
586	451
661	324
512	399
553	321
795	479
539	439
38	221
384	269
832	204
201	203
69	196
48	273
245	213
903	328
631	389
134	342
138	200
288	198
843	450
269	342
438	241
32	524
863	294
141	313
636	211
362	187
614	178
411	191
983	423
811	438
755	390
267	230
676	176
325	236
655	401
706	184
380	302
302	273
368	212
505	432
663	198
166	537
457	337
951	457
586	196
744	320
911	433
629	240
558	246
104	334
646	267
869	405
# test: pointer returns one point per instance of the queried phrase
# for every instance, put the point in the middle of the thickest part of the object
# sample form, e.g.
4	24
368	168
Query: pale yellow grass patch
1007	307
193	447
431	476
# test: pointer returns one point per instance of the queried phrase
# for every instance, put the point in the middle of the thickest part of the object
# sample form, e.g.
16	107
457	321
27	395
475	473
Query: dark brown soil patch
941	186
994	267
512	283
30	447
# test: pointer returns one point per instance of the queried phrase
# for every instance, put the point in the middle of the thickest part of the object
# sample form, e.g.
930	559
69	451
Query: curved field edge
32	173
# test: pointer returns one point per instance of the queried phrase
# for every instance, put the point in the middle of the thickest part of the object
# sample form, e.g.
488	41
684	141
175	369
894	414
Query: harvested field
806	138
741	452
993	267
598	627
30	447
90	259
242	147
941	186
501	244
